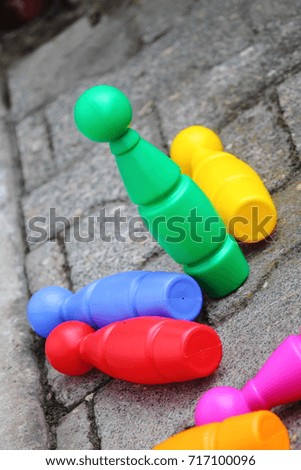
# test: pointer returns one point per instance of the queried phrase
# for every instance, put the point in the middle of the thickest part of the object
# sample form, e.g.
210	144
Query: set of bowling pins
138	326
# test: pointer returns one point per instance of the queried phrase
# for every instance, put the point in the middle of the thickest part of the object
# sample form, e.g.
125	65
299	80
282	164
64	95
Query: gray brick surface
131	416
162	262
270	12
69	391
289	96
217	96
22	422
2	105
79	51
73	431
257	137
89	182
153	25
45	266
94	259
35	152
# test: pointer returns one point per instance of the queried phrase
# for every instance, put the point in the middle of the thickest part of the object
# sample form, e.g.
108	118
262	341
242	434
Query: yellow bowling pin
234	188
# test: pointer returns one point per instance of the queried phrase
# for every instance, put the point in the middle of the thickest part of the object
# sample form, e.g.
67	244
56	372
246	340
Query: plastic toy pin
176	211
260	430
235	189
276	383
116	297
145	350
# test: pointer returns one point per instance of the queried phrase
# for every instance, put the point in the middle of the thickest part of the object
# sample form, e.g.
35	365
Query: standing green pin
174	208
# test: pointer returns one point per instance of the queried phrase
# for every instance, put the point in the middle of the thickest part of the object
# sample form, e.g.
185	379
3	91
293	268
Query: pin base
222	273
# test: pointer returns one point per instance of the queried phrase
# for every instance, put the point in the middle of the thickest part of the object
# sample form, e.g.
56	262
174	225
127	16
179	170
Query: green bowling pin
175	210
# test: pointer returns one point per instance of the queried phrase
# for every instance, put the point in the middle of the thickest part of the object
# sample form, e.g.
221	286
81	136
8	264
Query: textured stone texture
291	416
257	138
35	151
215	97
77	52
73	431
22	422
162	262
268	12
70	391
289	97
98	258
151	25
189	45
131	416
89	182
45	266
2	106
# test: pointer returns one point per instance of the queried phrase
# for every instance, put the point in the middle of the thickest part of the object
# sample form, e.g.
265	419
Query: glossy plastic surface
276	383
175	210
260	430
116	297
235	189
146	350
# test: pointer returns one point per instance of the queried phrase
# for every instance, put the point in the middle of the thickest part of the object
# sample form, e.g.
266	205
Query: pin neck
125	143
253	398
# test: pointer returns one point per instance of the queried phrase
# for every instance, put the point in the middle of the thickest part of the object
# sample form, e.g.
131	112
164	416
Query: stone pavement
231	65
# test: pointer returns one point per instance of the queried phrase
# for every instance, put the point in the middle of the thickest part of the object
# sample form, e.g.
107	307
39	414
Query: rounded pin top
103	113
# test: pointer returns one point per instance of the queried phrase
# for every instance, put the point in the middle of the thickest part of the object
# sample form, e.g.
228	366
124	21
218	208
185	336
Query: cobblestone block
291	416
269	12
90	260
290	96
78	52
22	421
73	431
210	34
70	391
151	25
3	109
45	266
257	138
131	416
215	97
35	152
86	184
162	262
209	99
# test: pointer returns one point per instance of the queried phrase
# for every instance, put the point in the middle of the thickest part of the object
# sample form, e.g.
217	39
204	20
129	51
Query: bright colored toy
116	297
260	430
235	189
276	383
146	350
168	202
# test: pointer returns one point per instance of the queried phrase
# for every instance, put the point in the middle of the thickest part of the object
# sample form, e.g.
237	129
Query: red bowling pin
146	350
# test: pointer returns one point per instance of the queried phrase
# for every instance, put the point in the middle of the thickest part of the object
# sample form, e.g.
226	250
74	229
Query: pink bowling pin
276	383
